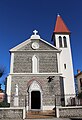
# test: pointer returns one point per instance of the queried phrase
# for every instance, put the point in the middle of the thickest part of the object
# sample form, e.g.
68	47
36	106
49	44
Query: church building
41	72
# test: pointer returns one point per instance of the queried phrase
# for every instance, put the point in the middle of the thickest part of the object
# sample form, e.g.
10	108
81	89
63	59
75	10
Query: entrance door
35	100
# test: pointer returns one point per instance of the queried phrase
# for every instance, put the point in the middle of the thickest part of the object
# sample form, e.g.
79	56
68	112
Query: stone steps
51	119
40	114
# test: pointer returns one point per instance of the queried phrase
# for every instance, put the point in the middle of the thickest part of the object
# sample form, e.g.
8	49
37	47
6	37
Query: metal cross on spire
58	14
35	32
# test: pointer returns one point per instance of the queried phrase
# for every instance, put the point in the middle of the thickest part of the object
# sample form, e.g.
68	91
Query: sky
18	18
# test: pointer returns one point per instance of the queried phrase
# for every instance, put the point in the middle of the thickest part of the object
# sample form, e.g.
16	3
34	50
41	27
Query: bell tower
61	37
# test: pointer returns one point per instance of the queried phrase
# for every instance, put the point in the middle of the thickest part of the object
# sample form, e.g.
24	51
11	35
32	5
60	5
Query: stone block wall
75	111
49	89
23	62
42	46
11	113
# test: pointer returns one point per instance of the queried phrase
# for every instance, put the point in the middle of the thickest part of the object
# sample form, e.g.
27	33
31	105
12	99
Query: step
52	119
40	114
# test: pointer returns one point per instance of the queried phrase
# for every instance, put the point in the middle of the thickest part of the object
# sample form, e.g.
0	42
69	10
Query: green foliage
4	104
80	95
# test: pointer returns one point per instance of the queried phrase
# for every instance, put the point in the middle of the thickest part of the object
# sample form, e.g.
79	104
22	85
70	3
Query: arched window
65	42
35	64
60	41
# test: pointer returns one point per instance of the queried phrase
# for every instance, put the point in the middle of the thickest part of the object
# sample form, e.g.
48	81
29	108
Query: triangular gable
26	45
55	48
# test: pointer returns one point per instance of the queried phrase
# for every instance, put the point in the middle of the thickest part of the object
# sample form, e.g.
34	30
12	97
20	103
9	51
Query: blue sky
18	18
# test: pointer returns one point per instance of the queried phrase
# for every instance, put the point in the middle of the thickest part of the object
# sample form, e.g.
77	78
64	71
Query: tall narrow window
60	41
65	42
54	42
64	66
35	64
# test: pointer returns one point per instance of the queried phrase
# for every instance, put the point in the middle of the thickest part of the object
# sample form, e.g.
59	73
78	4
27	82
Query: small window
65	42
64	66
60	41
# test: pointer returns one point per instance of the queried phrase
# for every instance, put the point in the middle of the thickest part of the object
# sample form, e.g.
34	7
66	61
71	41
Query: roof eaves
20	45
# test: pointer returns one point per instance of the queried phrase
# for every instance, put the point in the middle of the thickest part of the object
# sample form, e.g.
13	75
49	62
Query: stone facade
43	46
49	89
23	62
45	81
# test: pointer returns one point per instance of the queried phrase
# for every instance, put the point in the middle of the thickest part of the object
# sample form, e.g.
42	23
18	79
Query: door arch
35	96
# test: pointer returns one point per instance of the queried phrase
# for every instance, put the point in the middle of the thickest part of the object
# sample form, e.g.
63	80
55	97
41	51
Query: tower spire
60	26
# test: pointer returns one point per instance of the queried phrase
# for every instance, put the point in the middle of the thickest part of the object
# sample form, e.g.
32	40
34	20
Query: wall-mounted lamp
50	78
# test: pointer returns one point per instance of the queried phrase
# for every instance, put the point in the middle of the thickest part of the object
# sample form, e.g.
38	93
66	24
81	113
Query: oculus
35	45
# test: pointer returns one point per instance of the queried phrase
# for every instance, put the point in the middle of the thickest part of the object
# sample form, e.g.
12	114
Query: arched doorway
35	96
35	100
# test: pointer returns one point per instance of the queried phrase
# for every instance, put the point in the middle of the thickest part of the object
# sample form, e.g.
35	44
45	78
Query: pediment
27	46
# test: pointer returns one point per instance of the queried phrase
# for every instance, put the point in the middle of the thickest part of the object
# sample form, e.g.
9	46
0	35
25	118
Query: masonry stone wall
11	113
23	62
49	89
42	46
75	111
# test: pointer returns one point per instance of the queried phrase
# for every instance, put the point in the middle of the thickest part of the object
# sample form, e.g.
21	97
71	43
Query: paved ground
41	119
51	119
58	119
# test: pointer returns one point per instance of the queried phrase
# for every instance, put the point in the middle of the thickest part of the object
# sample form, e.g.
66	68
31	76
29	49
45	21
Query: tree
1	89
1	72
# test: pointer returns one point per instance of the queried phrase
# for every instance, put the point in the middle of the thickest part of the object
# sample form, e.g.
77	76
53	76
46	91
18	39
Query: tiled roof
60	26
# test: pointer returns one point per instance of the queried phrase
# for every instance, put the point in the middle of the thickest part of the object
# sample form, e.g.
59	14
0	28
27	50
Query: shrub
80	95
4	104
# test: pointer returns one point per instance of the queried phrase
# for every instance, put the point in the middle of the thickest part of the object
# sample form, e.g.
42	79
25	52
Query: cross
35	32
58	15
